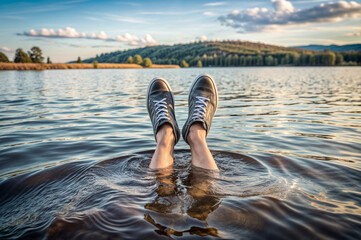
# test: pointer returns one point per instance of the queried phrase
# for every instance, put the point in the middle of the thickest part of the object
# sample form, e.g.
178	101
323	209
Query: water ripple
75	147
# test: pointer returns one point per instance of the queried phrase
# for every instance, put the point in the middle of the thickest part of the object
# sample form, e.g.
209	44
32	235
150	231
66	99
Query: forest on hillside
231	53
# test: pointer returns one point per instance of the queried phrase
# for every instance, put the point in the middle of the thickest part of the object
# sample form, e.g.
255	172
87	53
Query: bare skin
163	155
201	156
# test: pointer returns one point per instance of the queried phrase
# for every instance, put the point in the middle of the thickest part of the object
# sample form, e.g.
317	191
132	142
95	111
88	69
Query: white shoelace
161	109
200	108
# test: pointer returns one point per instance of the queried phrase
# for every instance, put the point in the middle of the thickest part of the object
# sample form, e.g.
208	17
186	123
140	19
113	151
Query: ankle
165	136
197	134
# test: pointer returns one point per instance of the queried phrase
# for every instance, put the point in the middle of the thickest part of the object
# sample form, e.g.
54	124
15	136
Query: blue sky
65	30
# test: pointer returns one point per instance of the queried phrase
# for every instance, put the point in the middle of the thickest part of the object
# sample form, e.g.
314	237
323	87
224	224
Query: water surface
75	146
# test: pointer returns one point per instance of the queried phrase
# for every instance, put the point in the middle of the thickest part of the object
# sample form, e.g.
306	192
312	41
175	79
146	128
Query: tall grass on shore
164	66
48	66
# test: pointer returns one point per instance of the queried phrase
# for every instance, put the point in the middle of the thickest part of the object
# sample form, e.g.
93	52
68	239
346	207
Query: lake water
75	146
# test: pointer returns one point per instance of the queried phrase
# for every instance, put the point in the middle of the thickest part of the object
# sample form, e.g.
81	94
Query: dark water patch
120	196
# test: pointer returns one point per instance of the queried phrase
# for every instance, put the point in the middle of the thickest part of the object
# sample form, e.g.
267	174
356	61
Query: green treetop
3	57
21	56
138	59
79	60
36	55
130	59
184	64
95	64
147	62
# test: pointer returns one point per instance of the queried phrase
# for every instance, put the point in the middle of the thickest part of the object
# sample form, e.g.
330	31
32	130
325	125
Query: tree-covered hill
231	53
333	47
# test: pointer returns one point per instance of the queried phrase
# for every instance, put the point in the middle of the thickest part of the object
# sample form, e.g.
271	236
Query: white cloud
202	38
102	35
149	40
284	14
209	13
69	32
214	4
132	40
6	50
283	6
127	38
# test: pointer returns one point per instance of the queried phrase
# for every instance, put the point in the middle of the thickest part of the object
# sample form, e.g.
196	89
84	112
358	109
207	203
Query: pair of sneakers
202	104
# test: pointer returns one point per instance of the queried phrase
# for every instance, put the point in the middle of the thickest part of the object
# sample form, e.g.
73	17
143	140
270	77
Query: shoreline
51	66
66	66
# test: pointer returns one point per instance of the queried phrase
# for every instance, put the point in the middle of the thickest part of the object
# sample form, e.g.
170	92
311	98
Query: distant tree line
230	53
146	62
325	58
35	55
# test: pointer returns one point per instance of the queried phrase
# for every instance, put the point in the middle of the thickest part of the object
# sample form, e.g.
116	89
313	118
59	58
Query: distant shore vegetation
230	54
33	60
199	54
49	66
146	62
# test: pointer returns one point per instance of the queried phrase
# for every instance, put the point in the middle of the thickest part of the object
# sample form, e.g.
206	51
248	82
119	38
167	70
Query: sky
65	30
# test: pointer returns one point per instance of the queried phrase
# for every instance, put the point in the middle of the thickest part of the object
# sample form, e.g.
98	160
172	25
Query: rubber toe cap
159	86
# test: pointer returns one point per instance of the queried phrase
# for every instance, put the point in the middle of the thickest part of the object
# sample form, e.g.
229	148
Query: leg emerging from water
201	156
160	106
163	155
202	105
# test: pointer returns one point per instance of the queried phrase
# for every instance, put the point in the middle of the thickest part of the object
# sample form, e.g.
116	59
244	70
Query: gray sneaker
160	105
202	103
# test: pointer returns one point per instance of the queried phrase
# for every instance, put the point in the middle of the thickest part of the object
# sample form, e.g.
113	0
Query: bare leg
201	156
163	155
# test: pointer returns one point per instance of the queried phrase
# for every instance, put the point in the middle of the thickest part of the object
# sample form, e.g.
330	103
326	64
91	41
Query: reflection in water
204	202
200	202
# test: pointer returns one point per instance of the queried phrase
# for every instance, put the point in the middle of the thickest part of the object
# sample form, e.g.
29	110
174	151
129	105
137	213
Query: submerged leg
163	155
201	156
